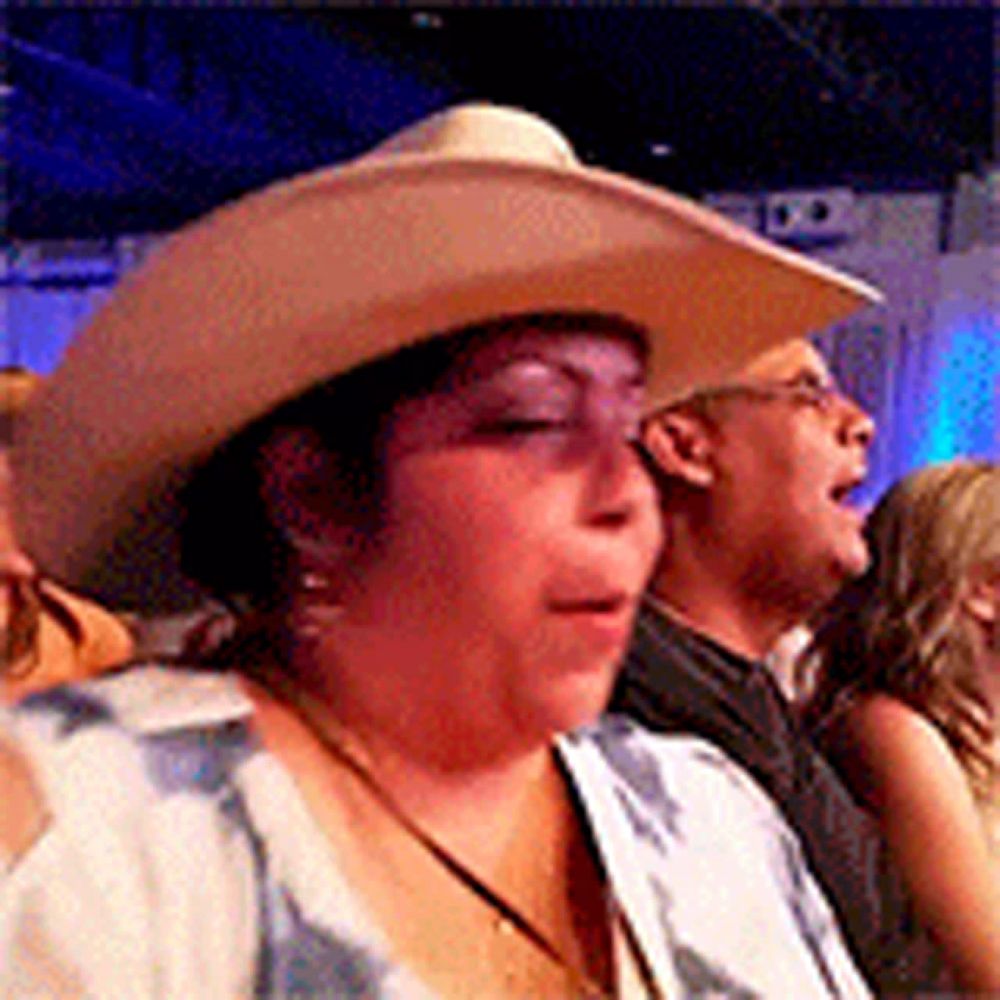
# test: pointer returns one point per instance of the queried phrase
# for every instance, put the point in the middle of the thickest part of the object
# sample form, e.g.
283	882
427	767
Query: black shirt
676	680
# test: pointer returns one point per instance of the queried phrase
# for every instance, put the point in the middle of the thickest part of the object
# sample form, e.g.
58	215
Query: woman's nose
619	489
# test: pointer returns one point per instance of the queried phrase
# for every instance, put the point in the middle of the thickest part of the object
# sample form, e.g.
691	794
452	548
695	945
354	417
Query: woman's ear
981	596
297	482
680	446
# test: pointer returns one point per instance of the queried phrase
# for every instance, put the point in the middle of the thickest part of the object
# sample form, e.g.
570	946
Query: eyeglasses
804	390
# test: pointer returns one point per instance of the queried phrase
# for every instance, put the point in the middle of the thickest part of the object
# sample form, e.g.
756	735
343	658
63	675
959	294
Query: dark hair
229	542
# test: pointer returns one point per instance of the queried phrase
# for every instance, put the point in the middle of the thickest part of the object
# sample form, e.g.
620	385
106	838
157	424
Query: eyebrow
805	370
579	375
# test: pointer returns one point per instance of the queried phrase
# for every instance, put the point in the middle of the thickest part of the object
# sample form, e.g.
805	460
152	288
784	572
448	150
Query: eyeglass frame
803	389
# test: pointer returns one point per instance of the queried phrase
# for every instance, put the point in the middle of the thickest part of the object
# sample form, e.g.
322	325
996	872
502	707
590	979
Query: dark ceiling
137	117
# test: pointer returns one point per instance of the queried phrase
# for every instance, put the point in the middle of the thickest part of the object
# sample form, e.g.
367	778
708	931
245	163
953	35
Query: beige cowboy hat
476	212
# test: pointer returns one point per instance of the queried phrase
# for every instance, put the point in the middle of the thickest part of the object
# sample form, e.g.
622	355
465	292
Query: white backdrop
926	364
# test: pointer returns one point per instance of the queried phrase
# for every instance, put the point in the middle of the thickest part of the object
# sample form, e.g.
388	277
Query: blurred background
864	135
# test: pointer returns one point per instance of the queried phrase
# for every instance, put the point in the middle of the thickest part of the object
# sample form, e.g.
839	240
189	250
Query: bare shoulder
900	751
24	815
883	716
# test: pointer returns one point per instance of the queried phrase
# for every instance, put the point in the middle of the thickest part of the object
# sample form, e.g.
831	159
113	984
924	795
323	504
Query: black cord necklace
588	988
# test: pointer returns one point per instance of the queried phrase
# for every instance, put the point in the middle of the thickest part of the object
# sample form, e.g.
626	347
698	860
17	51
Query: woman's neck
477	802
510	821
478	795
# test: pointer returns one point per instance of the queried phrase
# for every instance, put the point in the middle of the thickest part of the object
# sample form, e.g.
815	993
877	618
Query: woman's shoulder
677	800
880	712
895	754
667	769
124	738
128	811
622	740
145	698
906	772
890	731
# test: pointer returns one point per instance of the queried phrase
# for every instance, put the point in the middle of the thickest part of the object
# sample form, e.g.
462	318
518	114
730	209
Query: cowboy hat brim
309	278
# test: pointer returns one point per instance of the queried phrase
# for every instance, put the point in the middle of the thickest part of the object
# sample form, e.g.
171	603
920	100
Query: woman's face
519	531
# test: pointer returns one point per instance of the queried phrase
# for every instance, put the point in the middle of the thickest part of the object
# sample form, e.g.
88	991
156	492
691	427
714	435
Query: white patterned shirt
180	861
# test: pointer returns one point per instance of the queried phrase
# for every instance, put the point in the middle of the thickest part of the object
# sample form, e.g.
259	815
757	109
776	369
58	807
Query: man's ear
680	445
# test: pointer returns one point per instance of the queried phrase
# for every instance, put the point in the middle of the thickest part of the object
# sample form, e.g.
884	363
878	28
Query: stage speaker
811	218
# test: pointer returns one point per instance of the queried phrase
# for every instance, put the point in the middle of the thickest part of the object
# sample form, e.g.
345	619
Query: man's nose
856	426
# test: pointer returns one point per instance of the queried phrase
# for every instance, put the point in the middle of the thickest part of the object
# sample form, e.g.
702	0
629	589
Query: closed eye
814	390
522	426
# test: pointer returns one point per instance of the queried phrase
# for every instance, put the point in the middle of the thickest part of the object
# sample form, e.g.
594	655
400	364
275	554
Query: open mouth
843	492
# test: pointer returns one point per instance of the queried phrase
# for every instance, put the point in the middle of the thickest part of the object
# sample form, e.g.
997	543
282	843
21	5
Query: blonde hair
899	628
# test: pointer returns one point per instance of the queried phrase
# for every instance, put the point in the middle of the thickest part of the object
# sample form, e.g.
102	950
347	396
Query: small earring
313	582
320	608
318	619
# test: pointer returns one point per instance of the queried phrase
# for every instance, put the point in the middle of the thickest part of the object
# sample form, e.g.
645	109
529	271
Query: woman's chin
578	702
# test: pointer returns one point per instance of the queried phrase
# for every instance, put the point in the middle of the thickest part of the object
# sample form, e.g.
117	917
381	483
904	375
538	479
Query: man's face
787	449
